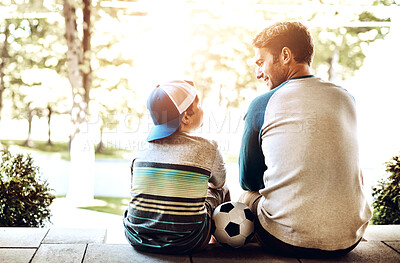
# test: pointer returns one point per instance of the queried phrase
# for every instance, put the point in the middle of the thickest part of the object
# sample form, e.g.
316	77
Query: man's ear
286	55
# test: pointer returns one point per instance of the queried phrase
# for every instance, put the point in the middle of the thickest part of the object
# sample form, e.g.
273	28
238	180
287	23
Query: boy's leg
214	198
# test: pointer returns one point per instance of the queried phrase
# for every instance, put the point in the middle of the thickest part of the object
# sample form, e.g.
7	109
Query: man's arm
251	159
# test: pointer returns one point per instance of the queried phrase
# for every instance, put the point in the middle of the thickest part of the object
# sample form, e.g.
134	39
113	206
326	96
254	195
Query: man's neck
299	70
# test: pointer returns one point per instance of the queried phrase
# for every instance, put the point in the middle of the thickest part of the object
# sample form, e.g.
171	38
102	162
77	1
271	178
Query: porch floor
380	244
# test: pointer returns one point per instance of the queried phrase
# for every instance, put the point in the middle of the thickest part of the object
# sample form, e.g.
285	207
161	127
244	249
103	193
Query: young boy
178	181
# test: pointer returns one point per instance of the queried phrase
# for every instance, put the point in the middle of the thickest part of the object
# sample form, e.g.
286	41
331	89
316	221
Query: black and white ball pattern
233	224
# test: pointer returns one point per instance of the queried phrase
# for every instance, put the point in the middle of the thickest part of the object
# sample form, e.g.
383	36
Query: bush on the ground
24	197
387	195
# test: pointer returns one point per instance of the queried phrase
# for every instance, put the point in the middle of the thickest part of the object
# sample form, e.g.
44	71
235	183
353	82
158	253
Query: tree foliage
24	197
387	195
111	97
222	62
33	66
340	50
222	57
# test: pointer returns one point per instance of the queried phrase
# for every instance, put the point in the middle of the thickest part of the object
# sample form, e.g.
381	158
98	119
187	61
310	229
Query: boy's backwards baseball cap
166	105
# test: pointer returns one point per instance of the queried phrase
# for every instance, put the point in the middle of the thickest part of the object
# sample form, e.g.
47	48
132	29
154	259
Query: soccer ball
233	224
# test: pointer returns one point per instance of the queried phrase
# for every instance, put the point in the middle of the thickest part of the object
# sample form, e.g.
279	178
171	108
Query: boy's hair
292	35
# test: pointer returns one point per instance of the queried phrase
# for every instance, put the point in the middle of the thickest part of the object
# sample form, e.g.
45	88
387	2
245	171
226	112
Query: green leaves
24	197
387	195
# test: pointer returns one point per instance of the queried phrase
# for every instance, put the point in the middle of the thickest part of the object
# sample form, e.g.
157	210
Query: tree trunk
29	113
333	63
100	146
79	109
50	110
4	56
81	186
87	69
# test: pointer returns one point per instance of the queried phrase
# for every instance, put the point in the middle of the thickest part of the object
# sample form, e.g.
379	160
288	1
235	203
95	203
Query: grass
42	147
61	148
111	205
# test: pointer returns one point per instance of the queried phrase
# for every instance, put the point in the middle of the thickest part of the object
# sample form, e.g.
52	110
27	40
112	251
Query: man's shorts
274	245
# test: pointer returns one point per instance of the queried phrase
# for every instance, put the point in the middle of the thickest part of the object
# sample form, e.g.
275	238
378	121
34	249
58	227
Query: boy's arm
218	172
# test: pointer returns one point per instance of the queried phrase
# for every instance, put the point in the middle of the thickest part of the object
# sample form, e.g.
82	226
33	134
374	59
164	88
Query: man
299	155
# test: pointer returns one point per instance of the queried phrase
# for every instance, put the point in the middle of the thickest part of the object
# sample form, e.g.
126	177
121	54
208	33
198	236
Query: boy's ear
186	119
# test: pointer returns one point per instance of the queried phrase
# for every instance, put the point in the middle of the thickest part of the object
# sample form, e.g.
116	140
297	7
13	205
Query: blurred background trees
32	69
221	56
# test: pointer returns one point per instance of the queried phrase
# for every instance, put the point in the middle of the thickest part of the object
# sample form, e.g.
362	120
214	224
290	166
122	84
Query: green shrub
24	197
387	195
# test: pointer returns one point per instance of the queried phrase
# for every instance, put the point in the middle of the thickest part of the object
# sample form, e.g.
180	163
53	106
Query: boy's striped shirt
167	208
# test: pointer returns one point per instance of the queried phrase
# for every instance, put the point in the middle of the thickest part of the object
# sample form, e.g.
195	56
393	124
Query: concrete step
60	245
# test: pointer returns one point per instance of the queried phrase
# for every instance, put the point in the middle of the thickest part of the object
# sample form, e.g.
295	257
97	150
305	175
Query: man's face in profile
270	70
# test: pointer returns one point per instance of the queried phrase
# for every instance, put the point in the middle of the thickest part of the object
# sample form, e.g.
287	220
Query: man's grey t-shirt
313	195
